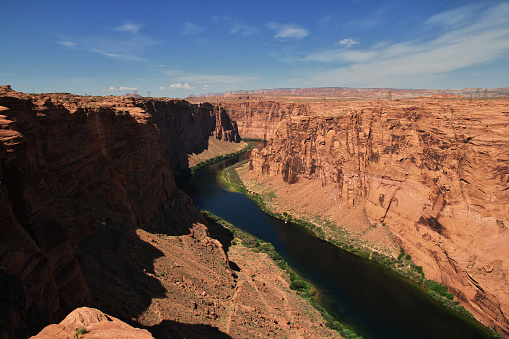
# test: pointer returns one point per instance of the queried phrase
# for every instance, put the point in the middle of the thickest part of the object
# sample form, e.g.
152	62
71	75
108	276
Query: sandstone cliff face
259	119
72	165
436	173
185	128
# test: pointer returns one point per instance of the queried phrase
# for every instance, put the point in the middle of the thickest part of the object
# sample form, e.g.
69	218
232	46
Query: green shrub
401	254
300	285
80	332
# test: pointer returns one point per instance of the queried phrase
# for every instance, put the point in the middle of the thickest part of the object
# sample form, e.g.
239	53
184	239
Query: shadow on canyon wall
119	271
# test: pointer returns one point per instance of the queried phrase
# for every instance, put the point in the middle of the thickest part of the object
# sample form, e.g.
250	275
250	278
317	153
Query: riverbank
293	281
219	150
267	197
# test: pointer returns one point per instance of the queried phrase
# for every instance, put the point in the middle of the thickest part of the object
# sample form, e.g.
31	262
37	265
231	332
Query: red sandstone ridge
80	168
435	172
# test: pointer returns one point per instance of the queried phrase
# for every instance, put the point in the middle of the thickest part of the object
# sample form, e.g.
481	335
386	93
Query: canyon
91	216
428	175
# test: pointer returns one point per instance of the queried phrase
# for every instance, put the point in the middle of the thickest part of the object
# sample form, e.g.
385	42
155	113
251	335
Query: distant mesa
357	93
133	95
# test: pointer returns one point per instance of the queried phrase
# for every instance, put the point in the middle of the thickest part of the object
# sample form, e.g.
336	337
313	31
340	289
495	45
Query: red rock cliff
71	165
259	119
435	172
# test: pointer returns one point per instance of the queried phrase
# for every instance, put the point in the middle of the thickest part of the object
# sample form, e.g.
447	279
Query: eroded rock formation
259	119
72	167
435	172
94	324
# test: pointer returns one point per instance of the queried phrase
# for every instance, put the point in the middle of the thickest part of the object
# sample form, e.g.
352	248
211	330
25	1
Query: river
372	301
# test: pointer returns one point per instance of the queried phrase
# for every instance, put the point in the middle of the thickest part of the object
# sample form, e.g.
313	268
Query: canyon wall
434	172
259	119
72	166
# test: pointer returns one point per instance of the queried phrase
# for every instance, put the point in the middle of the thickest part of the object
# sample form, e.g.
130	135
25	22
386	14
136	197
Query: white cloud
341	56
129	27
123	88
348	42
67	43
455	16
179	85
288	31
481	39
243	29
237	26
192	29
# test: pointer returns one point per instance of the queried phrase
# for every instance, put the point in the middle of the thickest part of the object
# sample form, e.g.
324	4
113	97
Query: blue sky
177	48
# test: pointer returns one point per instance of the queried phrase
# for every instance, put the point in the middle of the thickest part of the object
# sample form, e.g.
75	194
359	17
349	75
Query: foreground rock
184	286
435	173
95	323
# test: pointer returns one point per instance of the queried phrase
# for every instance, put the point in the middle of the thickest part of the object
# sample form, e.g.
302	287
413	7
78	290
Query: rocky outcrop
259	119
435	172
93	324
72	166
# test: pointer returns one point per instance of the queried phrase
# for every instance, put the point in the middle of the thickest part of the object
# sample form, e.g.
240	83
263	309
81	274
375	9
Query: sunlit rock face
435	172
260	119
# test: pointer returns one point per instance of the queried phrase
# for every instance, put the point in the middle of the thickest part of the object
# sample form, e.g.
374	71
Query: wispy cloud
370	19
342	56
114	43
123	88
67	43
288	31
236	26
215	79
454	17
191	29
129	27
482	38
348	42
243	29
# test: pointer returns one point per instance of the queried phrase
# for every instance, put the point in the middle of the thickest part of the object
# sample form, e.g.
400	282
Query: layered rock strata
259	119
435	172
73	166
